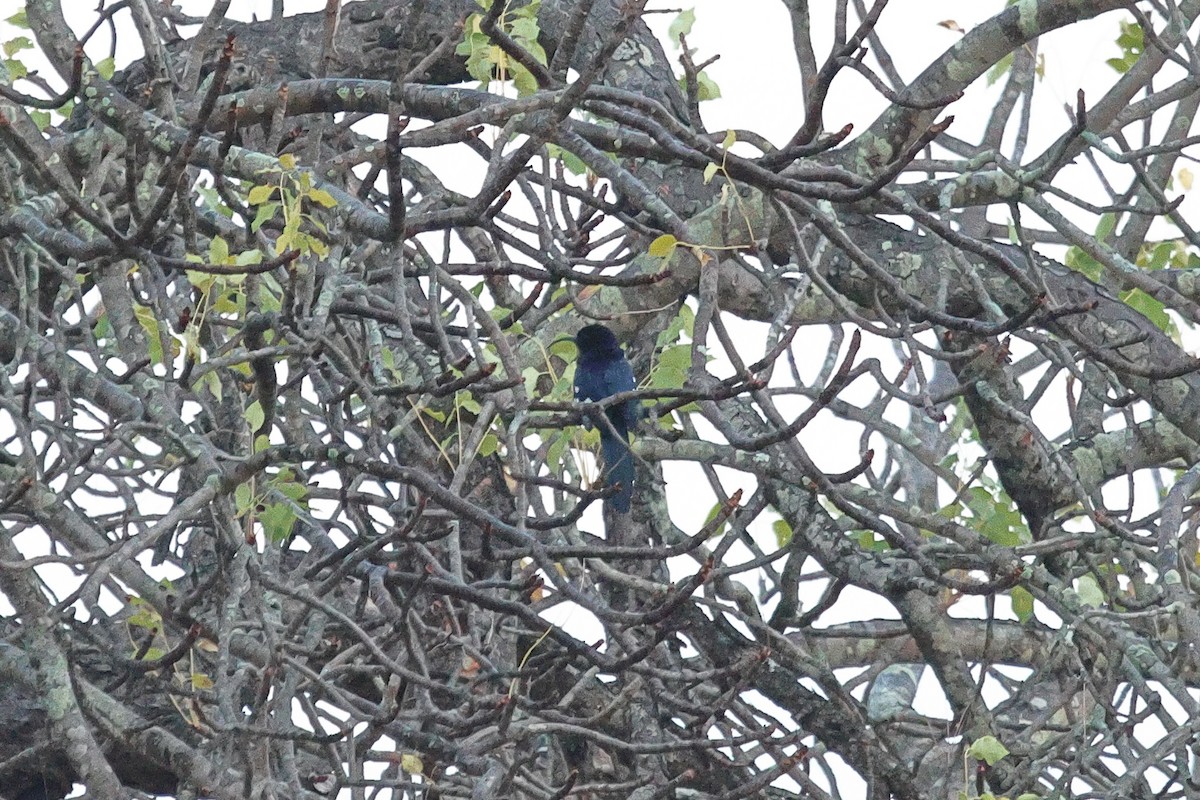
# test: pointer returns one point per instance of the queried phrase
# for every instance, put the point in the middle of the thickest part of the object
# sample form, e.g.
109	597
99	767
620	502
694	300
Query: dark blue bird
602	371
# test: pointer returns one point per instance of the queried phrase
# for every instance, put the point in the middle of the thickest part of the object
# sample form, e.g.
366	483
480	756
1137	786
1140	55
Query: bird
601	371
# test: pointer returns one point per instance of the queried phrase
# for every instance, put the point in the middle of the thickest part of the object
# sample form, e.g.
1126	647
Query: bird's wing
589	384
619	376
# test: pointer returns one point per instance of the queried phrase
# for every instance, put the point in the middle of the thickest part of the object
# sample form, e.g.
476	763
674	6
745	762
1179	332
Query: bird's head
596	339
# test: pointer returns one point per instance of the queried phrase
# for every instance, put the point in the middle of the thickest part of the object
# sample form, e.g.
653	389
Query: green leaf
260	194
103	329
590	439
248	257
254	415
14	46
573	163
149	322
290	236
106	68
466	401
211	383
999	69
867	541
671	367
243	498
712	514
557	448
213	200
706	87
681	25
218	251
1132	43
19	20
1089	592
783	532
470	30
1118	64
1156	258
1022	603
1081	262
663	247
40	118
564	349
531	376
989	749
526	31
481	58
265	212
287	485
145	617
277	520
729	140
524	81
680	325
1151	309
16	70
531	10
201	280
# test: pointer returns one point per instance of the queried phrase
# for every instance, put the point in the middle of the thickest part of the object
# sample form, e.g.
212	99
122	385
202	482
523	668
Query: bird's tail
618	466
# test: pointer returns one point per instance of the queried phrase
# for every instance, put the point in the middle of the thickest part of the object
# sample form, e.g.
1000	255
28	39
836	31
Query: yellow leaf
201	681
412	764
218	251
663	246
709	172
259	195
322	197
1185	178
730	138
498	57
287	161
